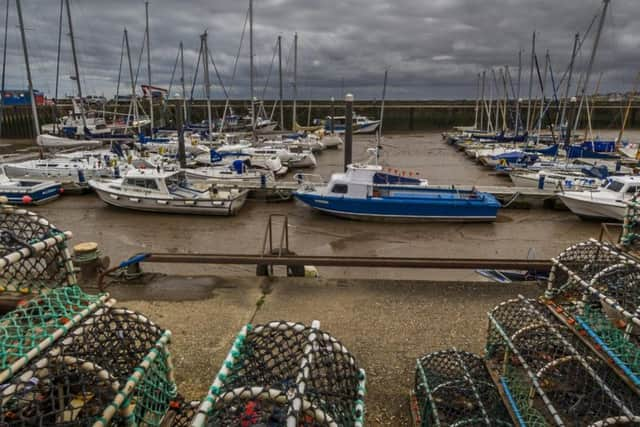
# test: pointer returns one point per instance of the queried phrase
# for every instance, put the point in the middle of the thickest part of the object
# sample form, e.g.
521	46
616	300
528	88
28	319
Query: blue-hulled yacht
369	192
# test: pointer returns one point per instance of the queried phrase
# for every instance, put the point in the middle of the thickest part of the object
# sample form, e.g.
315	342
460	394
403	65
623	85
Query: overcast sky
432	48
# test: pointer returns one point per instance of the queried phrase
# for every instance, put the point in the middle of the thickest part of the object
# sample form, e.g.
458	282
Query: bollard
348	131
89	263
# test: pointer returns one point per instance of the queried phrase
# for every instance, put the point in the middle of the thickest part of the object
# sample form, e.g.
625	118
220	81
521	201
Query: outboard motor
116	171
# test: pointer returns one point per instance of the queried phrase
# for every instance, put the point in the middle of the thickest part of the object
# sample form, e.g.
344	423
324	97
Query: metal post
34	109
253	107
75	65
146	9
205	69
295	79
348	132
281	89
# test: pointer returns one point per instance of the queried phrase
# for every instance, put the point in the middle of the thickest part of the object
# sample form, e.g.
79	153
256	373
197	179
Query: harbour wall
399	116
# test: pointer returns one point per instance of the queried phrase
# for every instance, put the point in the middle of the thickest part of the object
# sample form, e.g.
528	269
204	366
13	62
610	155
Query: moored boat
366	192
26	192
168	192
608	202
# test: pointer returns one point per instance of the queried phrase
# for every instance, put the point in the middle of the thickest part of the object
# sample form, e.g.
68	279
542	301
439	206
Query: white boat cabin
359	181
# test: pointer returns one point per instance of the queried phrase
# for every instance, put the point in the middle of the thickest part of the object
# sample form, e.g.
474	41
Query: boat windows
142	183
340	189
615	186
632	189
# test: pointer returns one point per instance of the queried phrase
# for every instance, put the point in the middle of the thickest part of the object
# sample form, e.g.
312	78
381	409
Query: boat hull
39	194
399	210
173	206
590	209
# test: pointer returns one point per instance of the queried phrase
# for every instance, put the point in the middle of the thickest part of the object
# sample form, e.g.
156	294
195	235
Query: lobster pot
596	288
34	256
549	375
631	224
454	388
74	359
285	374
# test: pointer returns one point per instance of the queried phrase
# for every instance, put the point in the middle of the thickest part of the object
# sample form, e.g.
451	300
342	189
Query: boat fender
81	177
541	179
26	199
263	181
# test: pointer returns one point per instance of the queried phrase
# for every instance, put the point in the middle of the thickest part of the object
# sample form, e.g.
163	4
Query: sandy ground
385	324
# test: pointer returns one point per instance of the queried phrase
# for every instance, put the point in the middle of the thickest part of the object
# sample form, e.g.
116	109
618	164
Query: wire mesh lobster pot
33	253
284	373
603	303
69	358
549	375
630	237
454	388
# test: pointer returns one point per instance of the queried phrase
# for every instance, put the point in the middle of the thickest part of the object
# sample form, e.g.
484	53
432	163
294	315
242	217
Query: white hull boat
609	202
168	192
53	142
553	180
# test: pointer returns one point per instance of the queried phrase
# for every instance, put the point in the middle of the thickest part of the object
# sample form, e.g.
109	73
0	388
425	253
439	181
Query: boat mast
533	57
184	91
574	52
379	133
295	79
205	70
75	65
115	106
484	104
498	108
475	120
34	109
518	94
133	105
591	60
4	65
55	96
251	76
150	94
503	72
280	75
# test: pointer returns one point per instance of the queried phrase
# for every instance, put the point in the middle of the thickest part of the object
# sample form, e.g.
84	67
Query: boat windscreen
385	178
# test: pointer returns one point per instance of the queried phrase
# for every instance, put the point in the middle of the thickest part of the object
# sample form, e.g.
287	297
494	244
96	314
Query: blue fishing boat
368	192
28	191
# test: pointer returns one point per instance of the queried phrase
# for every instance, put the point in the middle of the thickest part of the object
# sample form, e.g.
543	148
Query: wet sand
517	233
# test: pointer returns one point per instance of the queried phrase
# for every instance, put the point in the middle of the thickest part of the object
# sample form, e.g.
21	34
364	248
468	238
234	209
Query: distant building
21	97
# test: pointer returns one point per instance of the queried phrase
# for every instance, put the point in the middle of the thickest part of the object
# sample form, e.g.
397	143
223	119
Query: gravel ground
385	324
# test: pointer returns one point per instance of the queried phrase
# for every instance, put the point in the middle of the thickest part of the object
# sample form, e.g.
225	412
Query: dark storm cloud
433	49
